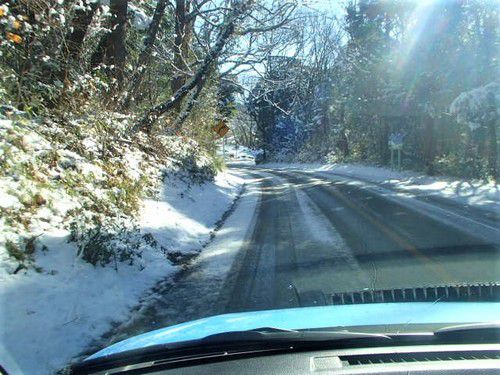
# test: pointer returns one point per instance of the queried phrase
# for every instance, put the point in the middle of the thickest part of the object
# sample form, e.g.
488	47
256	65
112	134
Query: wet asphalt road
315	236
312	235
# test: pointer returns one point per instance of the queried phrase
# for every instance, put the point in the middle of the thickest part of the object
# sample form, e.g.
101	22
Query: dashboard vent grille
371	359
454	293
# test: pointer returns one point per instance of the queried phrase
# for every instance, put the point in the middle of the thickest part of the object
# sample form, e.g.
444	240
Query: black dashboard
424	359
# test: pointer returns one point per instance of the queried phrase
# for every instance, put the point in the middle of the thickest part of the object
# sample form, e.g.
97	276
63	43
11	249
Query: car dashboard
419	359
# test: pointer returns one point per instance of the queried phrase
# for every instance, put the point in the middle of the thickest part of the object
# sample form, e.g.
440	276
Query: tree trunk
116	52
428	146
111	49
145	56
492	137
73	42
343	144
97	57
182	117
492	152
384	140
80	25
183	34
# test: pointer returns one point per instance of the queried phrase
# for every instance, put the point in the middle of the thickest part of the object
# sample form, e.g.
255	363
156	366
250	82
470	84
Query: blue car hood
314	317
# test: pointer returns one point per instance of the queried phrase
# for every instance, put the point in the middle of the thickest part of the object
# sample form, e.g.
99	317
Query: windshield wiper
274	335
271	339
470	328
260	339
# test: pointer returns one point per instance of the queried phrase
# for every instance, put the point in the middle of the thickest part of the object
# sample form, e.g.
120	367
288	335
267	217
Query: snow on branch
477	106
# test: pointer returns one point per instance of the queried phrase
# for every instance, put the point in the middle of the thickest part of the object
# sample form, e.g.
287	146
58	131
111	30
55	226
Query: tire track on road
367	232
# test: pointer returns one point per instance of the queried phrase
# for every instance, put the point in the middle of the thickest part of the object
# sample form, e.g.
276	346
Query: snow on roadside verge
48	318
204	288
182	220
485	195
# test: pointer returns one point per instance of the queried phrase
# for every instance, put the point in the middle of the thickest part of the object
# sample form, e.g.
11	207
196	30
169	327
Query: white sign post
396	144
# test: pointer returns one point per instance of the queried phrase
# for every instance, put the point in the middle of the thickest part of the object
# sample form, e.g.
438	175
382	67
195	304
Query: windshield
167	161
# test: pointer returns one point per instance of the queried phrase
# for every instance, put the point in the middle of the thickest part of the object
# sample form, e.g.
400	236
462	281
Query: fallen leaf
14	38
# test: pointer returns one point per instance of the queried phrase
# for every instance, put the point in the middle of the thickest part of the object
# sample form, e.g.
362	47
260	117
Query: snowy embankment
86	228
485	195
48	318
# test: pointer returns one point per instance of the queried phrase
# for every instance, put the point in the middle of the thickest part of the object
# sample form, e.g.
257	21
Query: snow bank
482	194
183	219
202	289
89	221
49	317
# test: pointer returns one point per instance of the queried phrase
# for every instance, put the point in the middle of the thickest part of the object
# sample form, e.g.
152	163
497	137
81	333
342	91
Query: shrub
460	166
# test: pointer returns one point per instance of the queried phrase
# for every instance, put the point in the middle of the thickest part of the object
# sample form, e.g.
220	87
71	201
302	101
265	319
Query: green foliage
197	170
14	251
219	163
203	118
461	166
23	254
99	249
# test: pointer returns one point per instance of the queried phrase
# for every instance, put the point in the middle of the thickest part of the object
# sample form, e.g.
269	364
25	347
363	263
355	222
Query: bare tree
235	19
199	77
244	129
248	49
